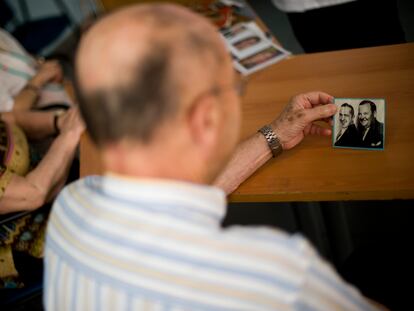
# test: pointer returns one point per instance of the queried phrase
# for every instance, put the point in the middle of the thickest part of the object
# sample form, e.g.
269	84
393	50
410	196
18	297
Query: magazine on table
251	49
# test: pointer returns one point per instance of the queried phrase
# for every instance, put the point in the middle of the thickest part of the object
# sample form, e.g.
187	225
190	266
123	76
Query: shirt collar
200	203
365	133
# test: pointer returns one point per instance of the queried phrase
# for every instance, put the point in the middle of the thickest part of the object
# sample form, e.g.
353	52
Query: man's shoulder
379	125
89	183
76	193
353	128
355	133
375	137
350	138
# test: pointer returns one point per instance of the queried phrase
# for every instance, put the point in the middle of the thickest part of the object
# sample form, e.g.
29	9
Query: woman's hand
49	71
71	122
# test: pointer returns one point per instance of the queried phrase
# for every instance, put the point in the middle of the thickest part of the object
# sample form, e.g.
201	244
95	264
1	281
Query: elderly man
348	134
159	97
371	130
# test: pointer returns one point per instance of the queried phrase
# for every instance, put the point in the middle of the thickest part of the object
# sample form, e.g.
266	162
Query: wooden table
314	171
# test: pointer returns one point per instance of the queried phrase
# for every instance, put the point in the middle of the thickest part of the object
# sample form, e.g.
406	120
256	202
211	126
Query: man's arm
291	126
248	157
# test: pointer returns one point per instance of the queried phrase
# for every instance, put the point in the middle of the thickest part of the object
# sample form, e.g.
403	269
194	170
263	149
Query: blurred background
73	12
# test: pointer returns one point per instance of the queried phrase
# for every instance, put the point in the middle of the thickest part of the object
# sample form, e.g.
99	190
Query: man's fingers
319	98
319	130
319	112
327	120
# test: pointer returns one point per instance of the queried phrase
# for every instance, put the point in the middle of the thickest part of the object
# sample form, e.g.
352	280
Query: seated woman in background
26	82
26	185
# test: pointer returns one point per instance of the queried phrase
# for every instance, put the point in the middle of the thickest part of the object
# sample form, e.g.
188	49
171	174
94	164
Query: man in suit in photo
370	129
348	134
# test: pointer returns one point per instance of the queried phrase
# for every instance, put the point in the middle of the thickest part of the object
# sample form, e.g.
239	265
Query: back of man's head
137	67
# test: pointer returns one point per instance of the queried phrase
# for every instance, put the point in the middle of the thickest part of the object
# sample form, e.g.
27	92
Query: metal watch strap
272	140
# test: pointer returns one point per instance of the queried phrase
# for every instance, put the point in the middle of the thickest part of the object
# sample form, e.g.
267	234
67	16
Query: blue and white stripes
122	244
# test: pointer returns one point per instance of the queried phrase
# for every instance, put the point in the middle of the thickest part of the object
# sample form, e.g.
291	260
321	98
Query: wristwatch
272	140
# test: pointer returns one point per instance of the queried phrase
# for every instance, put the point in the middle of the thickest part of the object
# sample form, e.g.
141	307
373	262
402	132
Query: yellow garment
14	159
14	154
7	267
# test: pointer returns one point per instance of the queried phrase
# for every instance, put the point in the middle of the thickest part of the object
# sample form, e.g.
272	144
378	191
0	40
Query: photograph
260	57
359	123
250	49
246	42
233	31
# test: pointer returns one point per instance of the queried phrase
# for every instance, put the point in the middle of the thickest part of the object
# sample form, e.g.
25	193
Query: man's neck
151	162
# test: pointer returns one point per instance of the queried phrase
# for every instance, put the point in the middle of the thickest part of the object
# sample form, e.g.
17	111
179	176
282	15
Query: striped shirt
126	244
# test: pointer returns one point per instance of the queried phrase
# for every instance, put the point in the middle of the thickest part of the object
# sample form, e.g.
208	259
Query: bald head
139	66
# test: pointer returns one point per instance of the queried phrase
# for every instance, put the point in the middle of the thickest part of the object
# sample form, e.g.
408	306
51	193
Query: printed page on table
251	49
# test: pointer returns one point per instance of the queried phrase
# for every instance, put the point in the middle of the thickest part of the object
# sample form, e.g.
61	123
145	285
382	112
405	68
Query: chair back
6	14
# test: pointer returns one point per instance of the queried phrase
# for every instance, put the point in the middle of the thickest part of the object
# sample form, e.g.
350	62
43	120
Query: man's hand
296	120
49	71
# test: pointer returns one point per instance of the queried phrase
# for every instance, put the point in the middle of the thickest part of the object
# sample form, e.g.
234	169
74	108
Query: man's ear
203	119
